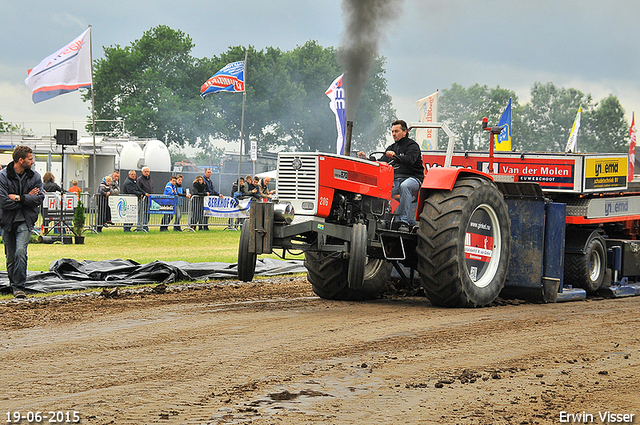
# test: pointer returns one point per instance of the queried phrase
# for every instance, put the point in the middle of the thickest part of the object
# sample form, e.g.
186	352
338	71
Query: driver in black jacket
405	157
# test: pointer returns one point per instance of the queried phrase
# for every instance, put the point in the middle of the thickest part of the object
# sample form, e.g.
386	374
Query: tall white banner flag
427	138
64	71
337	103
573	136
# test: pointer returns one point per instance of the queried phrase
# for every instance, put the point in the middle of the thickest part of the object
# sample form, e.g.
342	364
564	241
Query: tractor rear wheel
587	270
327	273
246	260
464	244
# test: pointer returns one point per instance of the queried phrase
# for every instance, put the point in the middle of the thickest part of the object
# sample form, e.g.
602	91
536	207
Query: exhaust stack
347	138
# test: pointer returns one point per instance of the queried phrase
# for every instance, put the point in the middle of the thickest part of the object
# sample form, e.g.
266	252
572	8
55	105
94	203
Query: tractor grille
297	176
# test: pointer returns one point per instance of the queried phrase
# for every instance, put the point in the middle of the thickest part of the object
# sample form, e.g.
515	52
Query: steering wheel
376	155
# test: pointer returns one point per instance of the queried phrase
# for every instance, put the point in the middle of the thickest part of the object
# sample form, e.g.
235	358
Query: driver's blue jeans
406	188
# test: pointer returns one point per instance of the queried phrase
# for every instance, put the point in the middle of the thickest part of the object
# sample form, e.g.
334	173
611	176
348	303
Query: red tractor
483	228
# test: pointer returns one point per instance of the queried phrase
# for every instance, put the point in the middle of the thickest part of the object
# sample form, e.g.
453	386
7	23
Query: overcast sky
590	45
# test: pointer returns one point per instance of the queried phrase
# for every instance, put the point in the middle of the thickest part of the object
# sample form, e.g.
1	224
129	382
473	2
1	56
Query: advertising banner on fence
226	207
162	204
124	209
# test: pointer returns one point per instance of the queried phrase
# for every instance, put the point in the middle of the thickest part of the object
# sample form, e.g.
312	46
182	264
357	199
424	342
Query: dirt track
272	353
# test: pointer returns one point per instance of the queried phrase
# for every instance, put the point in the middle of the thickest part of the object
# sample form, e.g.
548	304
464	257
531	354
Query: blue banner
215	206
162	204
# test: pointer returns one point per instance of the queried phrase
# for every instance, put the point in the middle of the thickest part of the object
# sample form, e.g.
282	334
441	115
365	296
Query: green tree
463	109
286	105
605	129
7	127
151	85
547	119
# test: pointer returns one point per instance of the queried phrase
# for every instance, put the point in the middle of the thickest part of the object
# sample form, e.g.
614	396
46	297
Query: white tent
271	174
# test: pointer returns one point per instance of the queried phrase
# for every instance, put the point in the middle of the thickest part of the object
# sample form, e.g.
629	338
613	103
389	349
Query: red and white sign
478	247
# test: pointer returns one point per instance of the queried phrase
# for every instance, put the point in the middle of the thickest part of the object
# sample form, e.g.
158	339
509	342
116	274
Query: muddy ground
270	352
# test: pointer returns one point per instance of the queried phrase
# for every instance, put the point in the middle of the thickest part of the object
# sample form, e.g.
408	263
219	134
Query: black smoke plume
366	24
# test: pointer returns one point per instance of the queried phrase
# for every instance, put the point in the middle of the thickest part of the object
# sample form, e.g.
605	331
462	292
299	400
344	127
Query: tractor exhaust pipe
347	138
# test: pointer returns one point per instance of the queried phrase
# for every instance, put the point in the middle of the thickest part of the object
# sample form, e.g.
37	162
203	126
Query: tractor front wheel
328	275
246	260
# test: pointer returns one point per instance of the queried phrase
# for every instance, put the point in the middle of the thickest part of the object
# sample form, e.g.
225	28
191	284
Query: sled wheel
464	244
246	260
357	255
327	274
587	270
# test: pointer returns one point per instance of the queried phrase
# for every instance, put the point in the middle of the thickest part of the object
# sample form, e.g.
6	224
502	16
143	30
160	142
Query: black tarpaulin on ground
67	274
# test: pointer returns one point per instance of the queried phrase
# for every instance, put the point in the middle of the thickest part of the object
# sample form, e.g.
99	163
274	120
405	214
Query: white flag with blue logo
64	71
335	92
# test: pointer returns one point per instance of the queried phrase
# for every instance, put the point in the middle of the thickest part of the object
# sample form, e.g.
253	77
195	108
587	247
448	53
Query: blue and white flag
230	78
66	70
337	103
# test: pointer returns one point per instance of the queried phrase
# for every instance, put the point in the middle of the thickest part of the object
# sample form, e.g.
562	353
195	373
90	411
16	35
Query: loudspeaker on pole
66	137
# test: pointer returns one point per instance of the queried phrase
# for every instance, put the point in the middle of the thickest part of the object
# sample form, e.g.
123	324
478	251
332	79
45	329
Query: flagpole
93	112
244	98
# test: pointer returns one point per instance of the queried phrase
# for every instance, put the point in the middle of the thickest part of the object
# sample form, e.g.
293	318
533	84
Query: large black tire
587	270
246	260
464	242
357	256
327	274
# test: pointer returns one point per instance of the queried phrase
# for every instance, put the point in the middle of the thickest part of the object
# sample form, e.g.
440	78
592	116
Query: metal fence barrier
181	214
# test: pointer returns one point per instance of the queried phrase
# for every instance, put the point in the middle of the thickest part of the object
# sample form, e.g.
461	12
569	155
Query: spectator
21	195
49	184
74	187
145	183
130	187
179	202
238	193
115	183
197	203
265	193
102	203
256	185
252	187
170	190
211	191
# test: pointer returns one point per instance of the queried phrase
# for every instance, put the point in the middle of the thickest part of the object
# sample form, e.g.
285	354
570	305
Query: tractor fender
442	178
577	238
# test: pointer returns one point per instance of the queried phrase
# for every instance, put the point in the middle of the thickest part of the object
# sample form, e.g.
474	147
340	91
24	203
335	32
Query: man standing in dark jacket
405	157
145	183
211	191
130	187
21	195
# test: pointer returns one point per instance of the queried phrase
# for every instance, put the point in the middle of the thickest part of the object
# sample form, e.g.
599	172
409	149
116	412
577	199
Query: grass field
194	247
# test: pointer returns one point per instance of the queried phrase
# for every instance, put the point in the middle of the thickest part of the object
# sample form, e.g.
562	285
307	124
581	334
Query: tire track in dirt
269	353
